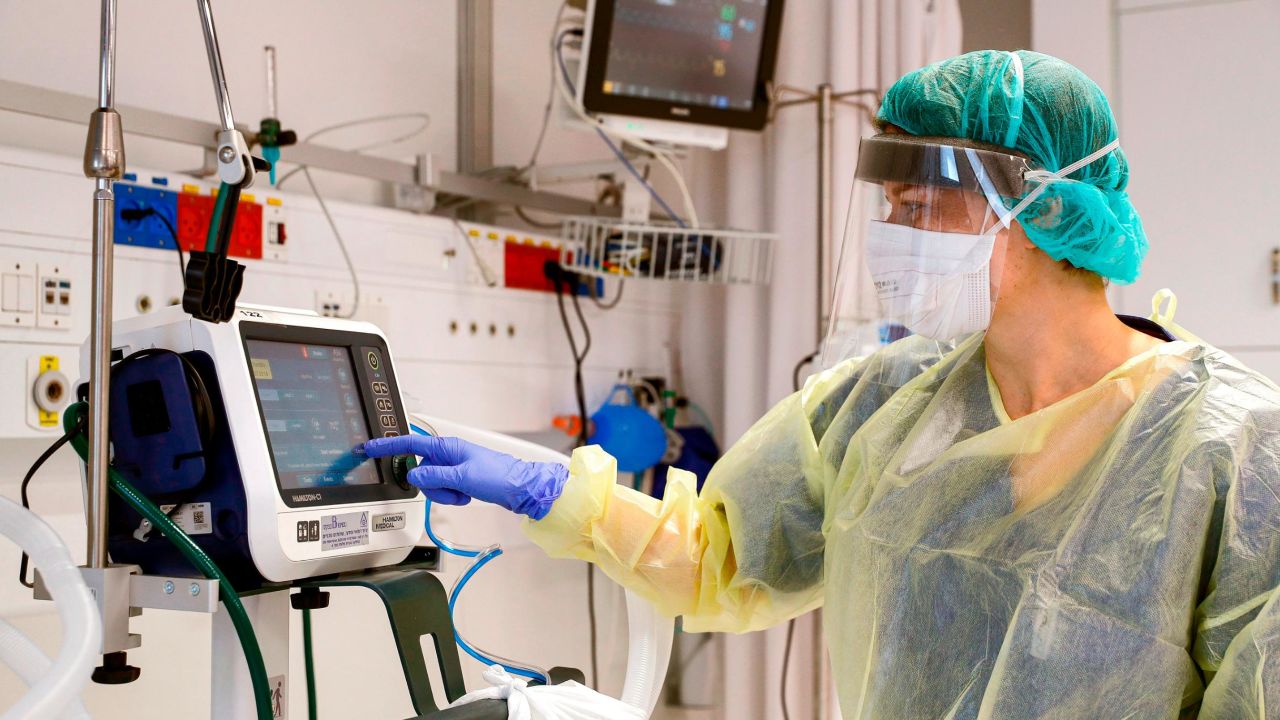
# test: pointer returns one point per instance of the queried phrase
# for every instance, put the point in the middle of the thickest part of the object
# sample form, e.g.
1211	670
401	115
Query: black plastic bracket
213	281
213	284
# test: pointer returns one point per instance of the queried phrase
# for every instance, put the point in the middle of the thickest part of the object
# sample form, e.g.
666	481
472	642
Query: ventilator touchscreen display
313	413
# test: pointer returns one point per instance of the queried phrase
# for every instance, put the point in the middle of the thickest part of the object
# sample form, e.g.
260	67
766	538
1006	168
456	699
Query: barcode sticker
193	518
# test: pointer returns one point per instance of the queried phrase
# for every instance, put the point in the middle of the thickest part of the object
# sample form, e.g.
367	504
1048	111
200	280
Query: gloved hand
453	471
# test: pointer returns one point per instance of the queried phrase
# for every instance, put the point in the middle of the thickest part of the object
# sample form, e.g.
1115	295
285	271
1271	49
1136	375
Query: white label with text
344	531
388	521
193	518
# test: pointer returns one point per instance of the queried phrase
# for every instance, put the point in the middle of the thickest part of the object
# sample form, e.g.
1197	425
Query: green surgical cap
1055	115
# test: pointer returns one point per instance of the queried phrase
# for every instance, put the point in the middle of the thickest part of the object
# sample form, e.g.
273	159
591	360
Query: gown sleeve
1237	627
747	552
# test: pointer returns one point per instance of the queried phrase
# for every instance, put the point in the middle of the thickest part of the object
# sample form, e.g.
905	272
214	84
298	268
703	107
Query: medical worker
1030	507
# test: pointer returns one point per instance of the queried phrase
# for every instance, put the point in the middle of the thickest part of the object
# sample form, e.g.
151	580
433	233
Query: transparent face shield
923	247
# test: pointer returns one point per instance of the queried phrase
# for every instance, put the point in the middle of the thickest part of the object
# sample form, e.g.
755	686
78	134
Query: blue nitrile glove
453	471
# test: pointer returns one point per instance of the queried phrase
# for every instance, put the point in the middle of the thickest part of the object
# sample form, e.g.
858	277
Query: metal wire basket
607	247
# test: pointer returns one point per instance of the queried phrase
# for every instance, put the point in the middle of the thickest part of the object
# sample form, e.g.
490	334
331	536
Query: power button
373	360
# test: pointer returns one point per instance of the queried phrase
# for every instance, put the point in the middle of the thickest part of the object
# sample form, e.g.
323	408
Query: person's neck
1055	341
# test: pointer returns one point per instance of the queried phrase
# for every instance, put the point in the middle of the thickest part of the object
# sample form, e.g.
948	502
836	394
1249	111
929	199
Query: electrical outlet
331	303
149	230
247	235
194	214
275	237
56	299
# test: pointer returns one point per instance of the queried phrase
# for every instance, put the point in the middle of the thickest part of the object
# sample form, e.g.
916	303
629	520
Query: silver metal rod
107	58
104	161
791	103
865	92
825	128
273	99
475	85
215	65
100	370
826	122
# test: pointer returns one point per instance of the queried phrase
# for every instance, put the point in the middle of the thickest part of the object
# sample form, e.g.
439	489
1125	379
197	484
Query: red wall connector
246	236
194	213
523	265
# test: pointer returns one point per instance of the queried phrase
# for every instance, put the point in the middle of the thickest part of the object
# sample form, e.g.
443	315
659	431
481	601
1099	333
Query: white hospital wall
1192	83
338	60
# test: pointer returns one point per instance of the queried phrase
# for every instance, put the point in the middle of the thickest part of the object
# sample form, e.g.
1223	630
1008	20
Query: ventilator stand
825	101
415	601
417	607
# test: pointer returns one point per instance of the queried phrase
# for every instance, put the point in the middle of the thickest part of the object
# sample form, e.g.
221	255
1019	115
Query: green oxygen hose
197	557
313	706
215	221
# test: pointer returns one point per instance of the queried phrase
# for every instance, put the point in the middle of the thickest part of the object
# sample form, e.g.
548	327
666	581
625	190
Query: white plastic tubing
648	652
649	632
54	688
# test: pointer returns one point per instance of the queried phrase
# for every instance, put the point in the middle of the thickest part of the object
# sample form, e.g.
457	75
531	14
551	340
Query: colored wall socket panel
149	230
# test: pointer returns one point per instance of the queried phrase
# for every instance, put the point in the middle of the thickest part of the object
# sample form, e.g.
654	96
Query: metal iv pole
825	101
104	163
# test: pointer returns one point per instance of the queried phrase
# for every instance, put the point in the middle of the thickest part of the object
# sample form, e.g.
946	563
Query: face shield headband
946	164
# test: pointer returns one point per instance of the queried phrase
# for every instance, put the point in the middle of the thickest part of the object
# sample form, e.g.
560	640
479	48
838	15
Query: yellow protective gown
1105	557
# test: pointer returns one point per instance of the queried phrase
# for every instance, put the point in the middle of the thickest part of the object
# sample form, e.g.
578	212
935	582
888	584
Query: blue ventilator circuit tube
482	557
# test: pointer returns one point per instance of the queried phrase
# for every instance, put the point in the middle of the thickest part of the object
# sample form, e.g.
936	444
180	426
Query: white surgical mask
938	284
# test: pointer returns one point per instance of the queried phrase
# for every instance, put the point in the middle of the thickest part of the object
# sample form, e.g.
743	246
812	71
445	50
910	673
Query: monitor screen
693	52
701	62
313	412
